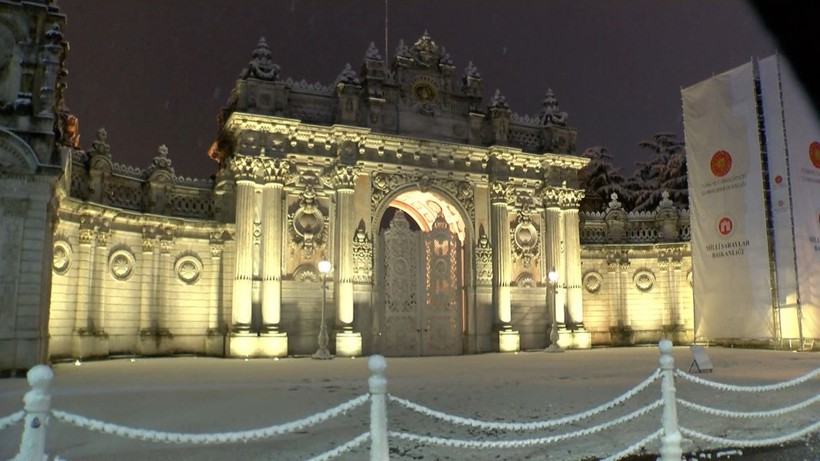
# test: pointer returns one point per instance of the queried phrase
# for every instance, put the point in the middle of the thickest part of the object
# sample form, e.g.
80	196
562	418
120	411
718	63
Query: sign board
700	359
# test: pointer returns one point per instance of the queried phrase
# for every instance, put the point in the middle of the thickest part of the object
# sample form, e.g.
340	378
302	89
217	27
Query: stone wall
637	275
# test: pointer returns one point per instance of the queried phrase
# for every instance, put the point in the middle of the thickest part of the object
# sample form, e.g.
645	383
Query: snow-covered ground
187	394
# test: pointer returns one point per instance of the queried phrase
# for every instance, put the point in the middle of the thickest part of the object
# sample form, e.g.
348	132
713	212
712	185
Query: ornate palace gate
422	292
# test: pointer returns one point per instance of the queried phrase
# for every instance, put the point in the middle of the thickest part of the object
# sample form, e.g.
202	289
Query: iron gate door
422	290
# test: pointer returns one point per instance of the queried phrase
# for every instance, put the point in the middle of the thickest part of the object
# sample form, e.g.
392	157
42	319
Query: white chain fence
207	439
528	426
522	443
12	419
37	411
736	388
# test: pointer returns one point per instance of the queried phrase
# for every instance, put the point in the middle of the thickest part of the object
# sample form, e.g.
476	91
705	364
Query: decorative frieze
386	183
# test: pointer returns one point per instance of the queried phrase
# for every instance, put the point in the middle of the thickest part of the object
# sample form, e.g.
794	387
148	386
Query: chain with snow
736	388
752	443
529	426
215	438
330	454
502	444
635	447
12	419
749	414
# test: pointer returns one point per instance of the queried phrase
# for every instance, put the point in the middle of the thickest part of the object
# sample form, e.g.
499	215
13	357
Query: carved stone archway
421	275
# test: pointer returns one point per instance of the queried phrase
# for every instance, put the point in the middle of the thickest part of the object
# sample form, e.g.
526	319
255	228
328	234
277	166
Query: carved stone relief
593	282
484	259
384	183
61	259
121	264
644	280
188	268
362	257
525	237
307	223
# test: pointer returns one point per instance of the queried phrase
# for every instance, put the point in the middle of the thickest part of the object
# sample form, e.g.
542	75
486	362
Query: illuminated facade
441	219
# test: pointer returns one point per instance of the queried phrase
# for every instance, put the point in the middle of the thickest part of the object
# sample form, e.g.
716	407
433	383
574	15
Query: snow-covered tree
599	177
665	170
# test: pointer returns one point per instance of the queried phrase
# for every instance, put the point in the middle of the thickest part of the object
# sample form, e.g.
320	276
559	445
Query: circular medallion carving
121	264
424	91
593	282
61	258
526	236
644	280
188	269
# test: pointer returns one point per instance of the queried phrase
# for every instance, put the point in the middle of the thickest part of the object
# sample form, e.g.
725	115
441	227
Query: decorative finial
348	75
499	101
261	65
373	53
551	114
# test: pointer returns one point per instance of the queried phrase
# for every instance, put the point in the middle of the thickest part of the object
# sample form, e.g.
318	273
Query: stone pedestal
155	343
215	344
348	344
574	339
250	345
85	346
508	340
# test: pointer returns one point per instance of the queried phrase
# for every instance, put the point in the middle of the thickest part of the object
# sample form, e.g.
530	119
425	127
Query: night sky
157	72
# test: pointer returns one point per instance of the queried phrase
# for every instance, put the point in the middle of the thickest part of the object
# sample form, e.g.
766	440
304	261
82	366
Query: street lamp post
553	281
323	353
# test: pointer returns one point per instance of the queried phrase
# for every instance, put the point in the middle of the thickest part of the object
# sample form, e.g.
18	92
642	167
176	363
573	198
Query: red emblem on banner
814	154
780	203
778	179
721	163
725	226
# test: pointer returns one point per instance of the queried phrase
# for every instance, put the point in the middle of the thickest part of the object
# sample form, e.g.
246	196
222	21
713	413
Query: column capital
501	192
344	176
561	197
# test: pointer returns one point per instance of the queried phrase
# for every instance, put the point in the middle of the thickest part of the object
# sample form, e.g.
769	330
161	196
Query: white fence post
379	449
671	438
37	401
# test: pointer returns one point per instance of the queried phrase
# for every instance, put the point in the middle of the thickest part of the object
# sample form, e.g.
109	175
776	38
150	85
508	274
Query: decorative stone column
272	256
242	305
508	339
348	342
215	339
148	321
168	277
89	339
553	238
272	342
570	201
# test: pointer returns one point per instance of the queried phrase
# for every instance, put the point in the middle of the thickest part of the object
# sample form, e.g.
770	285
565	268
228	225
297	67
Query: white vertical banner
803	146
730	256
779	179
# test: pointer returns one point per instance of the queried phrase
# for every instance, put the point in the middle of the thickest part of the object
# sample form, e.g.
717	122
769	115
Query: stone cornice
317	141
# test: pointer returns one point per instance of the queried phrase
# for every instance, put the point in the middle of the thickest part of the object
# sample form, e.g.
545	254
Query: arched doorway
421	277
